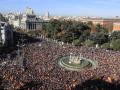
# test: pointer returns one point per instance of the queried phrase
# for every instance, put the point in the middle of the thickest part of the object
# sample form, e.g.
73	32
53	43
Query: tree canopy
80	33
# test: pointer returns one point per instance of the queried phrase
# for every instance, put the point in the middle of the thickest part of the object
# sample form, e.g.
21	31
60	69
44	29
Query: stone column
27	26
31	26
35	26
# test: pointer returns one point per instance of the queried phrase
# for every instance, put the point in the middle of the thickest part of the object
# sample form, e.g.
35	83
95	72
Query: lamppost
18	50
21	54
73	38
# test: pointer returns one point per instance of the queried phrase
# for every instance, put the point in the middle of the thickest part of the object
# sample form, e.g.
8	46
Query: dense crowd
42	72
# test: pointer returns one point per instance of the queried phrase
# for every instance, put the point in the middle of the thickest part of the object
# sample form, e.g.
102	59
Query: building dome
29	11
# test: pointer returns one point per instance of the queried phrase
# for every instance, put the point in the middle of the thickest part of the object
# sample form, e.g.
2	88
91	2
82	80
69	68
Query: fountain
74	59
76	62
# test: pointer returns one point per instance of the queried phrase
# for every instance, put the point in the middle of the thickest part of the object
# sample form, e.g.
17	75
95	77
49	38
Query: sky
103	8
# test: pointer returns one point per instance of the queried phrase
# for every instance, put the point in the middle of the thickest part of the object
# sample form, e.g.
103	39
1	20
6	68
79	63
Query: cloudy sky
65	7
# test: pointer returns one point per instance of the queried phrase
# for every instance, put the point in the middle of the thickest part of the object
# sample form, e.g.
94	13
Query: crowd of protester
41	70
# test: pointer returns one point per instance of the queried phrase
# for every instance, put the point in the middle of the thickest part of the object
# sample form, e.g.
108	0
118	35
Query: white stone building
6	34
46	17
31	22
26	20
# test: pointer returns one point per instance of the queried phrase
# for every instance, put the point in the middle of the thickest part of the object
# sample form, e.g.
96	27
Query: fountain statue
76	62
75	59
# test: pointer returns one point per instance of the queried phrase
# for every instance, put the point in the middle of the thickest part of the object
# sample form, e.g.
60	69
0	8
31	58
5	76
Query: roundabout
76	63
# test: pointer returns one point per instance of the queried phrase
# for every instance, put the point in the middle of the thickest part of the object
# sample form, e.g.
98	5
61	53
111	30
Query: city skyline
104	8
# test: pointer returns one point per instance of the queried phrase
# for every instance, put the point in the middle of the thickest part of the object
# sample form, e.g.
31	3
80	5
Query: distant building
116	26
6	34
29	11
46	17
3	18
14	19
27	20
107	23
31	22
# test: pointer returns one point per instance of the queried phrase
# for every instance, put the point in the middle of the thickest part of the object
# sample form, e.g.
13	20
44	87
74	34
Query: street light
21	54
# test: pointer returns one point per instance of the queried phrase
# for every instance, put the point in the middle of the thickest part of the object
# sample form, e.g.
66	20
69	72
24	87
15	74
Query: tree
115	35
77	42
74	31
91	26
115	44
99	38
89	43
68	37
106	45
101	29
2	18
0	38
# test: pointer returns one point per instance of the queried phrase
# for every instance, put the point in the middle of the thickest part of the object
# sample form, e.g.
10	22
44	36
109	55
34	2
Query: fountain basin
84	63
